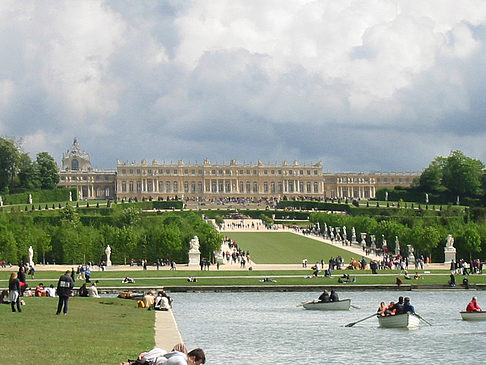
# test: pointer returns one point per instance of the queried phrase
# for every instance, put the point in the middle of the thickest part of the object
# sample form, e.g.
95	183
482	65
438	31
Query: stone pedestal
108	262
449	255
194	258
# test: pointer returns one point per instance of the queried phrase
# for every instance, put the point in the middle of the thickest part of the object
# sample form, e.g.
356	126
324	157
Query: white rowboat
342	305
406	320
473	316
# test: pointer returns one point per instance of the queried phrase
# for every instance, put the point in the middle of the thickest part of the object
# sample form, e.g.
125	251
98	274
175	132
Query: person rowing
324	297
334	297
473	306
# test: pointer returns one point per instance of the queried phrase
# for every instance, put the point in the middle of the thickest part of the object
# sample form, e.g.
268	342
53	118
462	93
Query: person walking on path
64	289
14	291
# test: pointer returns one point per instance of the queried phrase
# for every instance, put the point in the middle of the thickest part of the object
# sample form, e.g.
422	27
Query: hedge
314	205
41	196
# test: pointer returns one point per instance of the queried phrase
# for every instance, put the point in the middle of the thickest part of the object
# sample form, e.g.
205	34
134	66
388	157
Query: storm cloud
360	85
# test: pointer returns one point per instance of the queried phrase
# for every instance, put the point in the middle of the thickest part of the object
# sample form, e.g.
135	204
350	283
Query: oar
361	320
301	304
355	306
423	319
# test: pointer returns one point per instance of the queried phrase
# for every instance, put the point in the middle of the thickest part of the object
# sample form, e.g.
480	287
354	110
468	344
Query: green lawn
286	248
97	331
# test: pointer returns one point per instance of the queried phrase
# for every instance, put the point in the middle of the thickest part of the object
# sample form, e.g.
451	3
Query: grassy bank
244	278
98	331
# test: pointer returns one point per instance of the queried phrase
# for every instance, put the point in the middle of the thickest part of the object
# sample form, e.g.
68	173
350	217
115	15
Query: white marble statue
194	253
383	241
194	244
386	195
31	256
30	198
1	201
373	242
353	235
449	249
108	254
363	239
345	233
70	196
397	246
449	242
426	198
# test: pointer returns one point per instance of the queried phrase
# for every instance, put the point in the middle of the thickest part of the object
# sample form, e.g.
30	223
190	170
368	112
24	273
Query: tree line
131	235
19	173
426	234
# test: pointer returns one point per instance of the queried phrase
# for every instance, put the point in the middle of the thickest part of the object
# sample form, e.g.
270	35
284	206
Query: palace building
76	172
157	180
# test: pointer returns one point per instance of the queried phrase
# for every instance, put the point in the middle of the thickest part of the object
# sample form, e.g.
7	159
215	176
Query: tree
9	157
472	240
47	171
463	175
424	239
28	174
431	178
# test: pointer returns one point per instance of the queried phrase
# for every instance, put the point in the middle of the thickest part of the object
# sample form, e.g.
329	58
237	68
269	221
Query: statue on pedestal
353	236
31	256
449	250
194	253
397	246
70	196
1	201
363	240
411	256
30	198
373	242
383	241
108	254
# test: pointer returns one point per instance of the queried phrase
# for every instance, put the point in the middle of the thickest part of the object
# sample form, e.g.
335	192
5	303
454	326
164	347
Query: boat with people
473	316
328	306
405	320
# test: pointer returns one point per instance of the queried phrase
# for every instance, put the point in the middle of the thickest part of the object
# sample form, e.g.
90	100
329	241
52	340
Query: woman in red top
473	306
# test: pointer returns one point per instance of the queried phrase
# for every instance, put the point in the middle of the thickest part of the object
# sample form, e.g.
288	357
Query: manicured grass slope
286	248
95	331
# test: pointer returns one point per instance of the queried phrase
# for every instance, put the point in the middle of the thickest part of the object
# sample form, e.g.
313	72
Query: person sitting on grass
83	291
128	280
93	291
39	290
162	302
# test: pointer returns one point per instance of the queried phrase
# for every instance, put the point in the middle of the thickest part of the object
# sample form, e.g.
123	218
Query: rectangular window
316	187
193	187
176	187
124	171
186	187
139	172
167	187
124	186
139	187
161	186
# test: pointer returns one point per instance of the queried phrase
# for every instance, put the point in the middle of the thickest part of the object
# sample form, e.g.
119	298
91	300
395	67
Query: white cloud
331	80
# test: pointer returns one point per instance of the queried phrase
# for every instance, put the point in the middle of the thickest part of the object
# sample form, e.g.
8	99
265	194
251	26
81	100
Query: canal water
268	328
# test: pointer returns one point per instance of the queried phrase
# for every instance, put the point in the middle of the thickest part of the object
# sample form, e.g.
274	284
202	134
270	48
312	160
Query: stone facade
155	180
207	180
76	171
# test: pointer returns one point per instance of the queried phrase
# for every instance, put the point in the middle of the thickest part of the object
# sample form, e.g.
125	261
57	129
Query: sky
364	85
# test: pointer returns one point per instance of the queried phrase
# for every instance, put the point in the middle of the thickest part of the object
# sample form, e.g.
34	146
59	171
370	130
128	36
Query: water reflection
268	328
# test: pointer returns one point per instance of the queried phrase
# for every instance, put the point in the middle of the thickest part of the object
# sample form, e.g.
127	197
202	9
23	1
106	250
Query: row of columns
234	185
